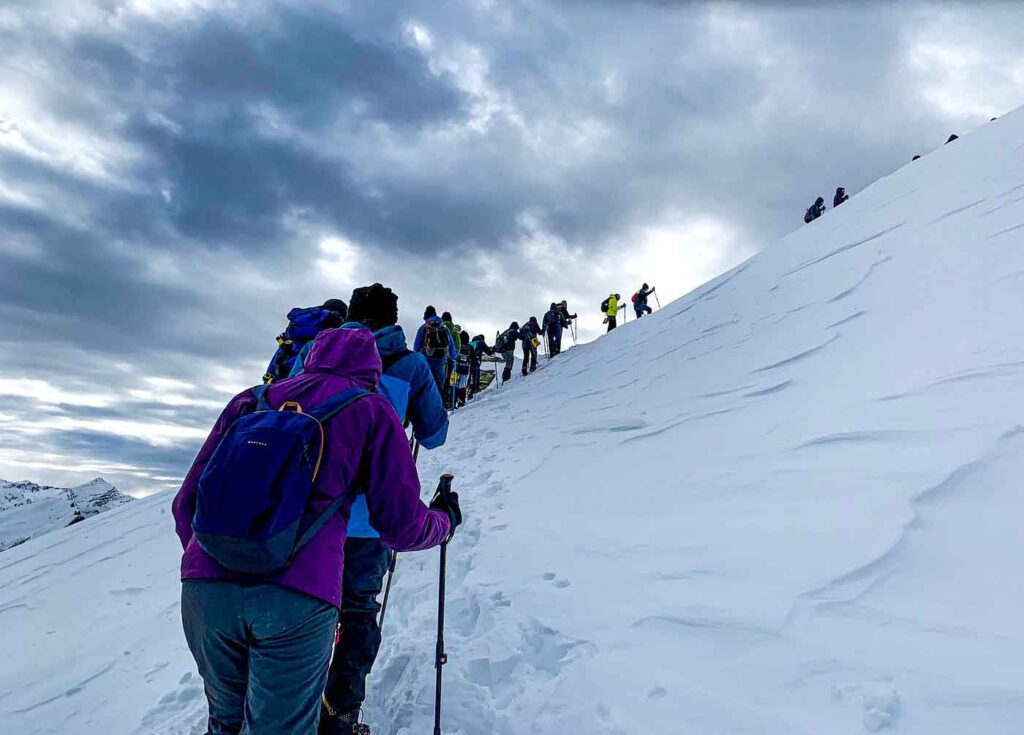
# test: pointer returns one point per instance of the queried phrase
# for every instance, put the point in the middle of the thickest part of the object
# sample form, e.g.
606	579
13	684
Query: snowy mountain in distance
28	510
788	503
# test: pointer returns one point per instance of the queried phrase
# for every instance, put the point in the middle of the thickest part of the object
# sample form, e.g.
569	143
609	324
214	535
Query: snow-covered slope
28	510
788	503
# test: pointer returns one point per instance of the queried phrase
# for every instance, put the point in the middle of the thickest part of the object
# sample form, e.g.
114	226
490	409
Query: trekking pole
392	563
444	488
657	300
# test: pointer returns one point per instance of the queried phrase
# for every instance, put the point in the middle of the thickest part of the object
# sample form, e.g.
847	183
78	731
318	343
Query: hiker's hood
390	340
351	353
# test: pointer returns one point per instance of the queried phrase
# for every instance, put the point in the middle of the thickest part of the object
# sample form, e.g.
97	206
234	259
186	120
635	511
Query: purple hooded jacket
366	451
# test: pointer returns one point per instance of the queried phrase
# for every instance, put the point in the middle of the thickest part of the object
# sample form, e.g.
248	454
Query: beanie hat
429	312
336	305
446	317
376	305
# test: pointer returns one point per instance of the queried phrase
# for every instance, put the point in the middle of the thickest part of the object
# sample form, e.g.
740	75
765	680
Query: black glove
450	505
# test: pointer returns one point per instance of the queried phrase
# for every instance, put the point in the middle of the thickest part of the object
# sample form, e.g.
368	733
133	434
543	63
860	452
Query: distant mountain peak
28	509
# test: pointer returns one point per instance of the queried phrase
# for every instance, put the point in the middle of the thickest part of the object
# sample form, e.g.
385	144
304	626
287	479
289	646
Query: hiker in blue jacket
408	384
554	323
434	341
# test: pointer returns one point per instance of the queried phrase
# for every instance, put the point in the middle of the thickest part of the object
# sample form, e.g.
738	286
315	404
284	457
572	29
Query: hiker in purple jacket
263	643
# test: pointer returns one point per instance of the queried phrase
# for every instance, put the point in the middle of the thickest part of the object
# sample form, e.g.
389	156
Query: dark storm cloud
173	177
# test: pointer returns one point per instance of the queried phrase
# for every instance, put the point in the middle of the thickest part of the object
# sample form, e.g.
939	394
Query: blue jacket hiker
408	384
434	341
554	323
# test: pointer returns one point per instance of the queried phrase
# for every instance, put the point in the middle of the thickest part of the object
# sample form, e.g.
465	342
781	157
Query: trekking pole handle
444	486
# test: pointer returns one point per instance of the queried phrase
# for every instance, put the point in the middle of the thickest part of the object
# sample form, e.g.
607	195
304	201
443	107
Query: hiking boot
346	723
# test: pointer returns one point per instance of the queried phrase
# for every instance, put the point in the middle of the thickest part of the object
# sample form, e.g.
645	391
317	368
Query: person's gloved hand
449	505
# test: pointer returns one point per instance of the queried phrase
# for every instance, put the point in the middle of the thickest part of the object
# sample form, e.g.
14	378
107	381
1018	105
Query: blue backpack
303	327
253	494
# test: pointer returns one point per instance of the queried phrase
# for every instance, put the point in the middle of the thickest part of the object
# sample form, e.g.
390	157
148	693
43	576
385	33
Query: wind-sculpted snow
788	504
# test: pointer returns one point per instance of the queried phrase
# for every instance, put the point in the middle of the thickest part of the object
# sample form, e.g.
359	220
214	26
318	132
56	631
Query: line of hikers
304	491
818	208
291	513
612	305
528	336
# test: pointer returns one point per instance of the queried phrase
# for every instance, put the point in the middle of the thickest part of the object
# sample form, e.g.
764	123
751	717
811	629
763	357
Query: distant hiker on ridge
554	323
479	348
640	306
815	210
611	308
505	345
529	336
840	197
263	534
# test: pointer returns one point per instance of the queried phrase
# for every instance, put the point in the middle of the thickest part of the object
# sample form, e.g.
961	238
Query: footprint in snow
560	583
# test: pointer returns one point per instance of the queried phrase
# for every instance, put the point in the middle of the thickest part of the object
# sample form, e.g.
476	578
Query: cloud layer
176	174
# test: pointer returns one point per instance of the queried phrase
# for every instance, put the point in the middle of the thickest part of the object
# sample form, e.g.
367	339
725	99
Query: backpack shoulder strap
260	392
320	522
323	413
326	410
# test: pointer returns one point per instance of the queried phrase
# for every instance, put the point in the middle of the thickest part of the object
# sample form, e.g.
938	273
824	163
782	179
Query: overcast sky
175	175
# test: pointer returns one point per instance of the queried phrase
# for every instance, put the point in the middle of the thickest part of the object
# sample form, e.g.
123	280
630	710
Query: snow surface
28	510
788	502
